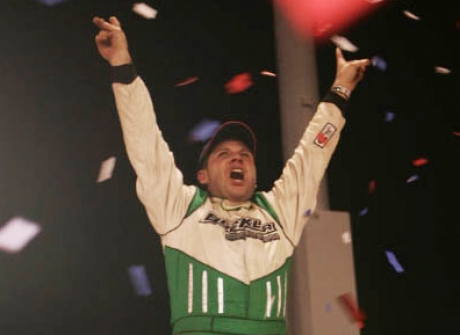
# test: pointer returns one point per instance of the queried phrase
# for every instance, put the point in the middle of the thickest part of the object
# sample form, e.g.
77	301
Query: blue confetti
139	280
389	116
394	262
379	63
363	211
204	130
328	307
51	2
308	213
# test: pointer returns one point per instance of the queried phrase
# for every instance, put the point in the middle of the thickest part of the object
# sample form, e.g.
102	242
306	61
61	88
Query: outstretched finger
339	55
114	21
104	25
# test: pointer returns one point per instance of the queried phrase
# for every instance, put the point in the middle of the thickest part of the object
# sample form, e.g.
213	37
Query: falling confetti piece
442	70
328	307
17	233
363	211
187	81
51	2
456	133
139	280
413	178
411	15
106	171
308	212
239	83
420	161
343	43
346	237
145	10
372	186
394	262
379	63
202	131
352	308
389	116
308	18
267	73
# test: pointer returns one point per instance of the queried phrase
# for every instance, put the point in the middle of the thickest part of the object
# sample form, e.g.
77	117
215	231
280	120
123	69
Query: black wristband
124	74
337	100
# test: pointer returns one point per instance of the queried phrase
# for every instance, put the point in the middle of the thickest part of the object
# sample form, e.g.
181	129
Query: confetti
420	161
203	130
352	308
139	280
389	116
145	10
411	15
187	81
308	18
346	237
51	2
308	212
372	186
456	133
343	43
413	178
328	307
363	211
106	171
239	83
379	63
442	70
394	262
17	233
267	73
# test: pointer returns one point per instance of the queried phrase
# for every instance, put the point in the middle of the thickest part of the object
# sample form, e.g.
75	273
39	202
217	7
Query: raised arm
159	183
295	192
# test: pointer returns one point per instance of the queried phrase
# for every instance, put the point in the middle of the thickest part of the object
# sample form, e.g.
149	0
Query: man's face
230	172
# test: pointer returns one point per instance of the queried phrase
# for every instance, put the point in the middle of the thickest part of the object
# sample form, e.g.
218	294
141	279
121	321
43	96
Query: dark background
58	123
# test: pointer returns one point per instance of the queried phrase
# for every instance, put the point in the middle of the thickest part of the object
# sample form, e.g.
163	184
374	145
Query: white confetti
346	237
442	70
267	73
17	233
145	10
344	43
411	15
106	171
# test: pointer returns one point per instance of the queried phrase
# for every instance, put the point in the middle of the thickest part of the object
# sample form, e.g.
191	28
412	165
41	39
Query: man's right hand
111	41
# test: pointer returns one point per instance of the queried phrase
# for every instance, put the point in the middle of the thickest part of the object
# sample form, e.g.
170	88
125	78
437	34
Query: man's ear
202	176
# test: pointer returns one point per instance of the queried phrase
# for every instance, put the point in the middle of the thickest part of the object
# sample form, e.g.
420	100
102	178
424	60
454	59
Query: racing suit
227	266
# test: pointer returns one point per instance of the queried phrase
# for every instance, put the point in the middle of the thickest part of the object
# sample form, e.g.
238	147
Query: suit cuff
337	100
124	74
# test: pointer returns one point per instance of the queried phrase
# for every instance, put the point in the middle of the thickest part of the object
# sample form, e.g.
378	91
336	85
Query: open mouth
236	174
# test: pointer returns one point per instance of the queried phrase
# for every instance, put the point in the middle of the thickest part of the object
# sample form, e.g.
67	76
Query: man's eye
221	154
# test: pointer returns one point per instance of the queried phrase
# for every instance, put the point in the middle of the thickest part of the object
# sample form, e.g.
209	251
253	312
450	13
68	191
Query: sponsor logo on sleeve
325	135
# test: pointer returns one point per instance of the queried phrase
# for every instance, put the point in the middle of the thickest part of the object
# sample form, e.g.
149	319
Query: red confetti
372	186
320	17
419	161
187	81
239	83
353	310
456	133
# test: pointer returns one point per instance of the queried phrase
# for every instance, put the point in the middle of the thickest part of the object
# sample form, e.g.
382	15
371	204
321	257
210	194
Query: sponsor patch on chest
325	135
242	228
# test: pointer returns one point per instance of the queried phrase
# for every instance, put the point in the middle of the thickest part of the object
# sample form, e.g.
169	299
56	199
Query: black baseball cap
231	130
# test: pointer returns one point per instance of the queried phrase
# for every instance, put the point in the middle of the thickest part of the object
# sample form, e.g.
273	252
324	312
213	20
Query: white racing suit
227	267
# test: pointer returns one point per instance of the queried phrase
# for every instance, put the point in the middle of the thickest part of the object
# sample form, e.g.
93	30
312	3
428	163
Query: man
227	247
